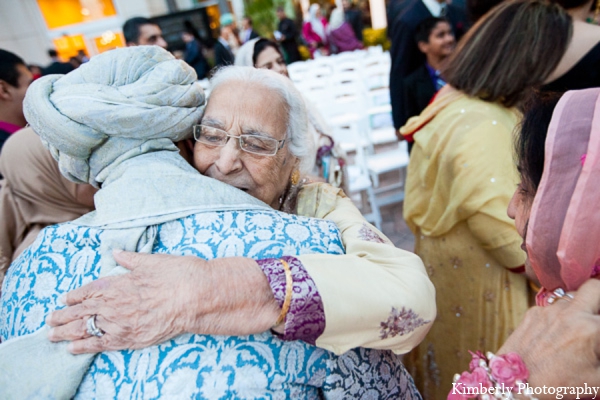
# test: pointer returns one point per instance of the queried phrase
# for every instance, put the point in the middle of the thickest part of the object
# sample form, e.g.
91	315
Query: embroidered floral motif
401	322
367	234
456	262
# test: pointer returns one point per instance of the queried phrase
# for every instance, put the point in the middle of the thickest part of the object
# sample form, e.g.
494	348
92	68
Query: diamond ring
92	329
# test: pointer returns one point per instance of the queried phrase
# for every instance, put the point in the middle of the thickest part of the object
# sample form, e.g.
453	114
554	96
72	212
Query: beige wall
23	30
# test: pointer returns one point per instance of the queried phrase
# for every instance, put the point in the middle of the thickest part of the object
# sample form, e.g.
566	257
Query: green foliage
264	18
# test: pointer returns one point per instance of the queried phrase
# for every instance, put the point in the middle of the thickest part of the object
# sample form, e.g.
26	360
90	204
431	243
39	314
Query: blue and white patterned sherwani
66	256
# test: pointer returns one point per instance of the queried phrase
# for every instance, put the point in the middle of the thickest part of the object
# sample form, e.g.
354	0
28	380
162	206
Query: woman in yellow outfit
460	180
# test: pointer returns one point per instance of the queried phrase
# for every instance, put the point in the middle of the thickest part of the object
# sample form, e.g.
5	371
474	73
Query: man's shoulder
417	75
414	8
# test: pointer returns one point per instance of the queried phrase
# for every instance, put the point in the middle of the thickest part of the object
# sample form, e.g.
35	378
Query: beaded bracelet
492	377
289	283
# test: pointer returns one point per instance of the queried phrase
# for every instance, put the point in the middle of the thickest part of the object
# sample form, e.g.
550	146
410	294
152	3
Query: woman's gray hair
301	141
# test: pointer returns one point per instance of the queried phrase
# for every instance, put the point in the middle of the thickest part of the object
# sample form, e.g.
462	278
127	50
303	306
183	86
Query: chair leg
374	207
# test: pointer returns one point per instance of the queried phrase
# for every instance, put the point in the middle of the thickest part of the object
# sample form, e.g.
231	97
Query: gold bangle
288	293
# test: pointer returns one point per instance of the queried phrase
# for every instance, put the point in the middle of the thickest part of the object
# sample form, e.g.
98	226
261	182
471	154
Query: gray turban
103	112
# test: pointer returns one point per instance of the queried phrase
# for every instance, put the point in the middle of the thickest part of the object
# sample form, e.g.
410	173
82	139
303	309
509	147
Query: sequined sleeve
305	319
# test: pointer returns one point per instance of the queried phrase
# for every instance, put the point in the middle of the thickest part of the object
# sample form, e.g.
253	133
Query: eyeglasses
255	144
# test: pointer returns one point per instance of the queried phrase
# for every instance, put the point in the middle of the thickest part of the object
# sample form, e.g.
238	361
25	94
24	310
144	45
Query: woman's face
271	59
242	108
318	14
519	210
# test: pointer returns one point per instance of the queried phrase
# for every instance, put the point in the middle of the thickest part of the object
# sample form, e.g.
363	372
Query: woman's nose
229	157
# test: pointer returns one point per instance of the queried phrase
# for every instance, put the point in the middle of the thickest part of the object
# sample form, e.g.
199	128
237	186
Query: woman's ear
186	149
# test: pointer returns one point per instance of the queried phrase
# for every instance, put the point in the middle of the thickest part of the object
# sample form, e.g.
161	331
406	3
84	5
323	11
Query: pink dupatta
563	239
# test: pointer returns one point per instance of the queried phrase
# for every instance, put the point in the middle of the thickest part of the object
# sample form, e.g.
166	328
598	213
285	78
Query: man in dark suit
287	36
56	66
353	16
248	32
435	39
223	54
405	54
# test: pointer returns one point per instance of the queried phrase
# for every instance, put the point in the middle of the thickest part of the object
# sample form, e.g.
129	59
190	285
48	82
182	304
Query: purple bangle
305	319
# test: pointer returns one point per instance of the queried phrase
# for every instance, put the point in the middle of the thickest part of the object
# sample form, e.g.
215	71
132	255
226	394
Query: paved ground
395	228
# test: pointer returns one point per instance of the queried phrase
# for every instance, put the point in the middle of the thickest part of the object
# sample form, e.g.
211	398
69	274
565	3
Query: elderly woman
330	158
555	210
461	177
242	145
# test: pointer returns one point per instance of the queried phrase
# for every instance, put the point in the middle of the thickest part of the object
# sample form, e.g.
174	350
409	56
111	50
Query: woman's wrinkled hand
164	296
560	343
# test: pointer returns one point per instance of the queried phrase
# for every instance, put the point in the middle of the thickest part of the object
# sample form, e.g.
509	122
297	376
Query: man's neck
11	117
580	13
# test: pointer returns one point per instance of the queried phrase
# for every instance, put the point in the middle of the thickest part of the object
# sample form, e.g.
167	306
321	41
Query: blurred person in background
353	16
223	53
461	177
341	36
580	68
194	54
248	31
34	194
15	78
405	53
57	66
36	70
228	21
436	40
314	32
286	35
140	31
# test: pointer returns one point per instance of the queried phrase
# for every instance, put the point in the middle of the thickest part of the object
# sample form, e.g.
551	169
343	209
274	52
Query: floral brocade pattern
401	322
369	235
305	319
262	366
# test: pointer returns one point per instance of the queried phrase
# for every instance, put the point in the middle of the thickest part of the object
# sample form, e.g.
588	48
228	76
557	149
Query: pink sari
563	239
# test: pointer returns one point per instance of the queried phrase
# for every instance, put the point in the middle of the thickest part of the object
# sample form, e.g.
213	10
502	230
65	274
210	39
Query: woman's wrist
232	291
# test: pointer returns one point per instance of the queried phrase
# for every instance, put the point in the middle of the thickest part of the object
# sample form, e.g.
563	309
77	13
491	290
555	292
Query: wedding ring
92	329
559	294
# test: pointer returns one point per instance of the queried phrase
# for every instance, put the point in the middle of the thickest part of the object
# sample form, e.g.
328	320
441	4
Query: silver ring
92	329
559	294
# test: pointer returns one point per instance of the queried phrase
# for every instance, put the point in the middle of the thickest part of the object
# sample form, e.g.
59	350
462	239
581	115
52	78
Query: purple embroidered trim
366	233
400	322
305	319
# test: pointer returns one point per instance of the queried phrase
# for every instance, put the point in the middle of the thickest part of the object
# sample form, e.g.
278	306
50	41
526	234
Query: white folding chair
299	67
377	76
318	72
347	66
381	125
373	50
316	89
359	182
379	97
388	161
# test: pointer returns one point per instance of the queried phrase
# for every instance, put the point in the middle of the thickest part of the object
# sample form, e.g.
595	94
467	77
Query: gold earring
295	178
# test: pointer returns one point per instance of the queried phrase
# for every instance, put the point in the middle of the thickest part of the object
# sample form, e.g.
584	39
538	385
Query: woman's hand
165	296
560	343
